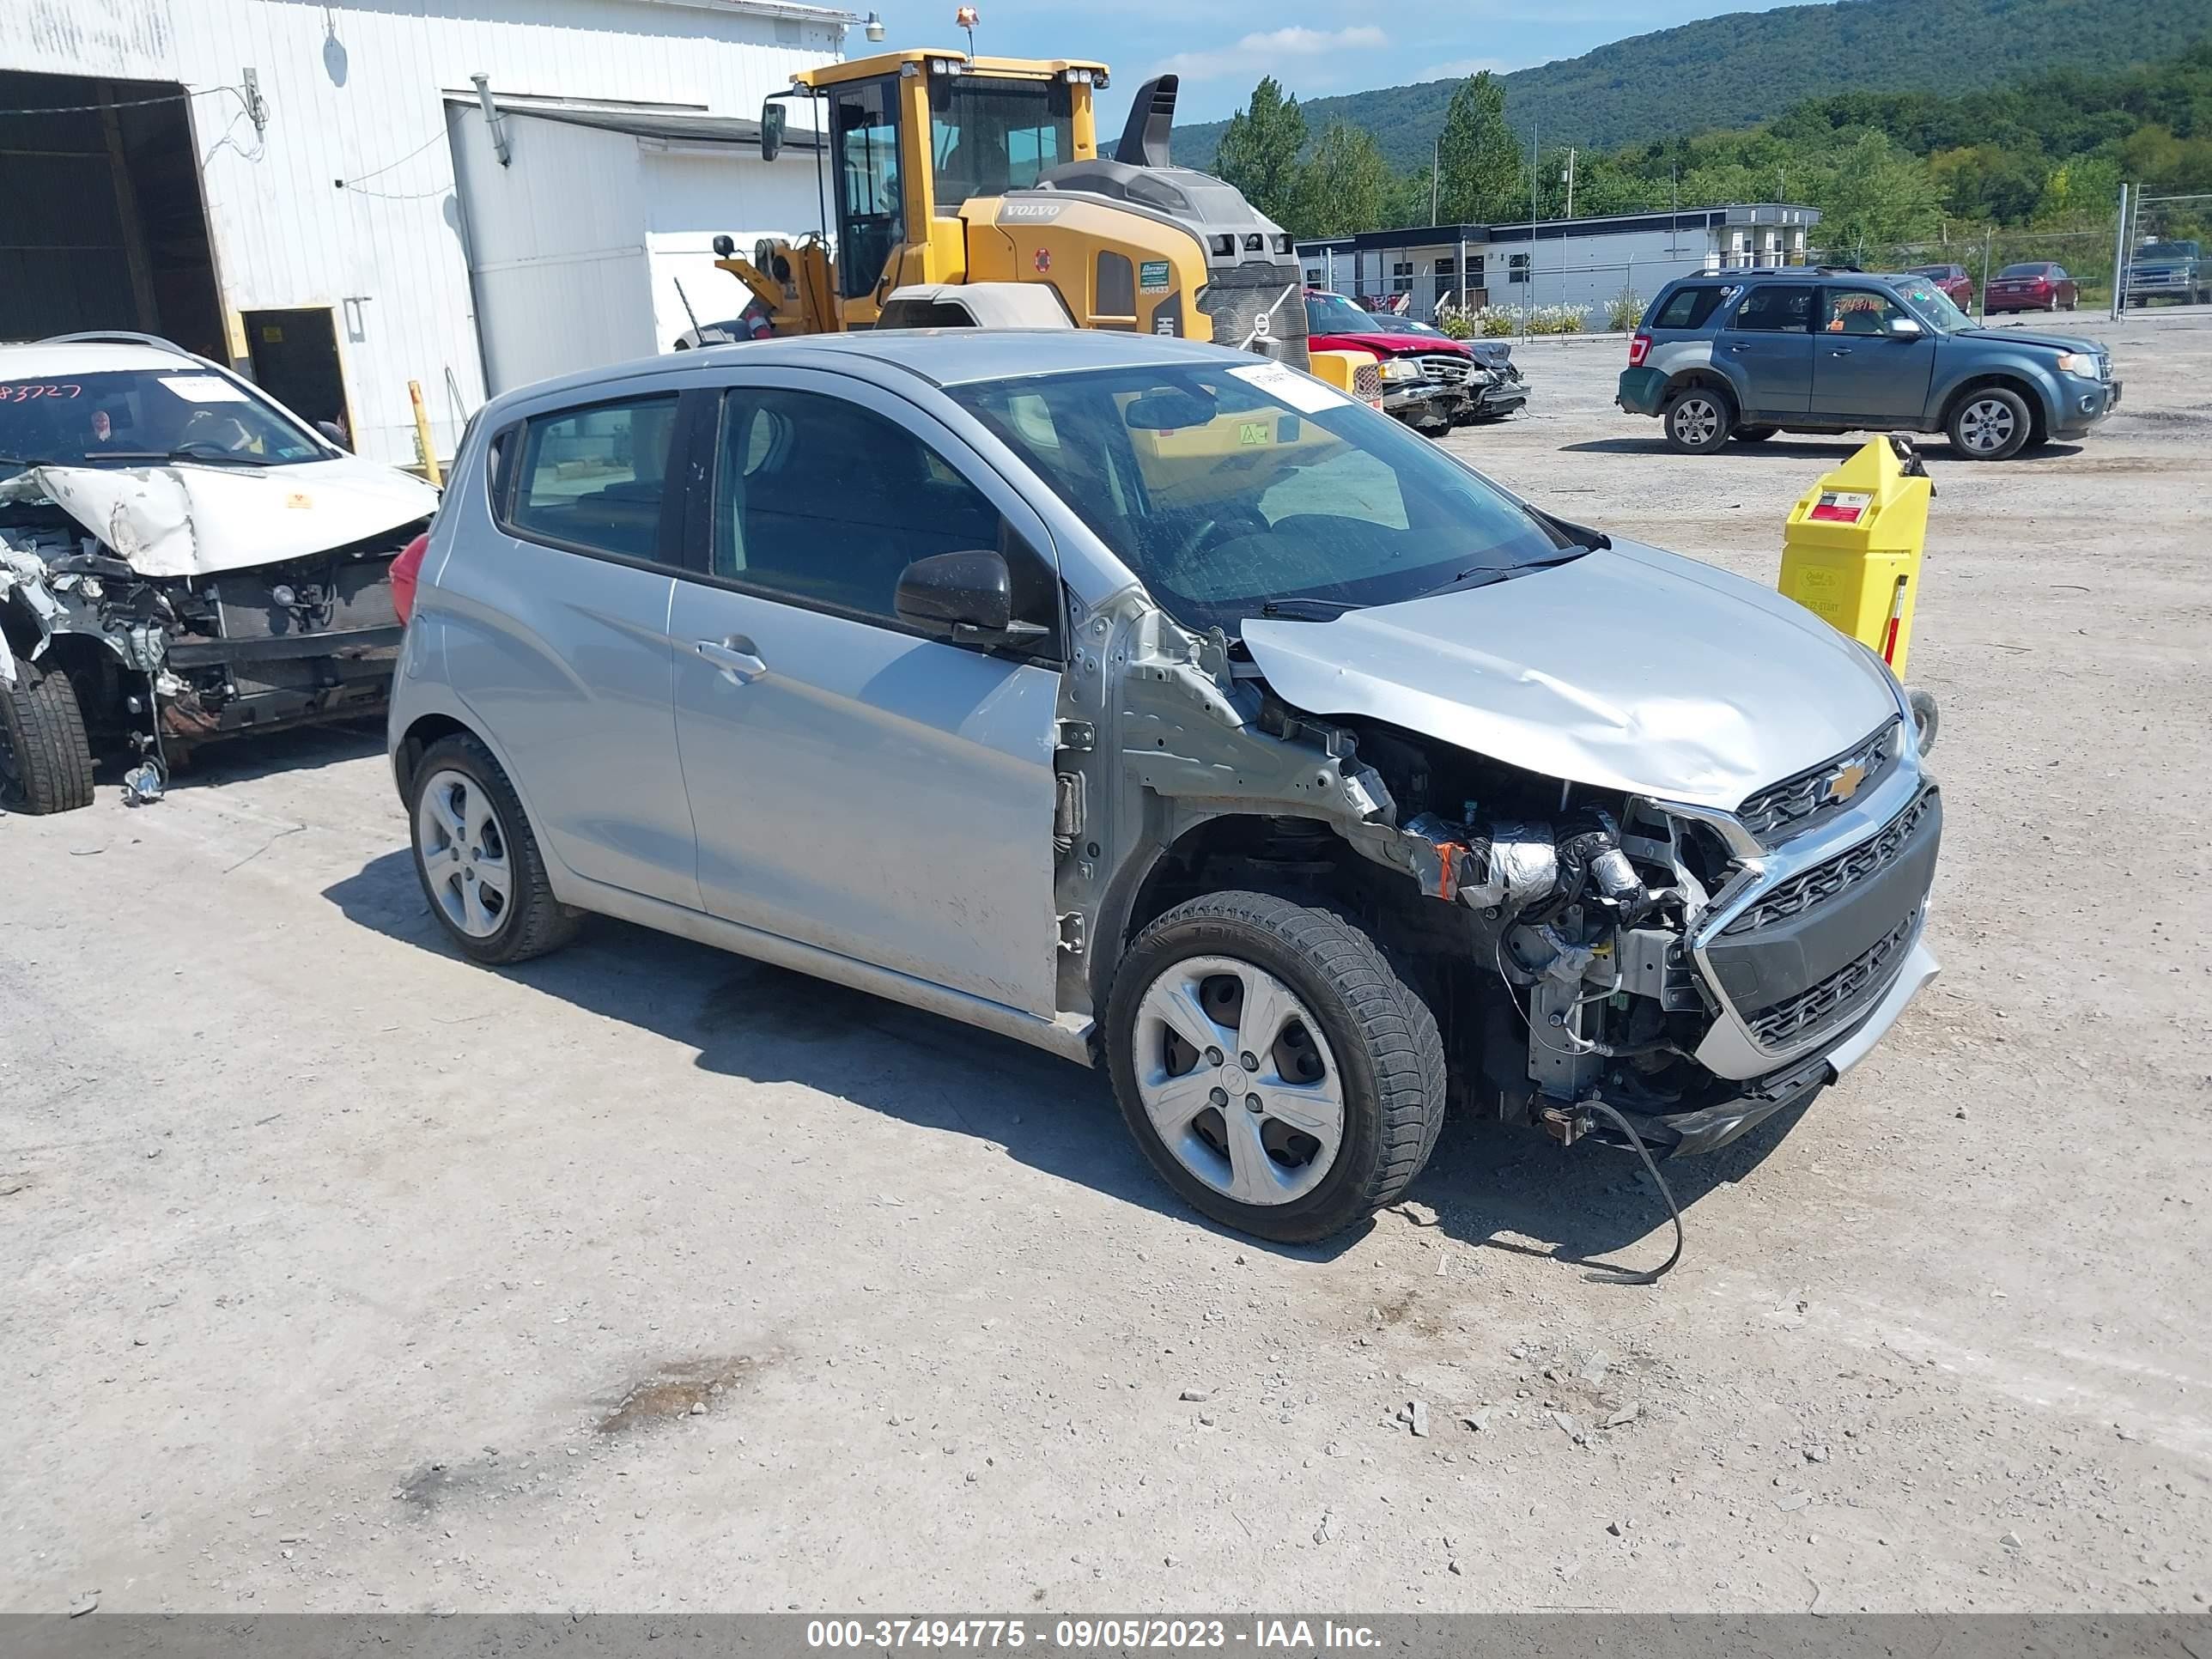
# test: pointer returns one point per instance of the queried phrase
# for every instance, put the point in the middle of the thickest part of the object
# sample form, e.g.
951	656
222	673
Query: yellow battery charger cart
1851	554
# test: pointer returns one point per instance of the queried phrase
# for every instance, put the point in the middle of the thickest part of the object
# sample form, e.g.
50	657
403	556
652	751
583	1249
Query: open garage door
103	226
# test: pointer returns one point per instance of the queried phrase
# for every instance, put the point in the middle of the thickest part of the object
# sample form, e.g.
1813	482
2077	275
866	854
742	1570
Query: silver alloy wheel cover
460	866
1175	1103
1986	424
1694	419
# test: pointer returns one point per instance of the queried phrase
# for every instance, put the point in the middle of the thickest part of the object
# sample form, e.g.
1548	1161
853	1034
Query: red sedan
2031	287
1951	280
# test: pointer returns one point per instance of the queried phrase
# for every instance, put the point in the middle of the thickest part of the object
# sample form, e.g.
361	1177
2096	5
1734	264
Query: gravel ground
345	1275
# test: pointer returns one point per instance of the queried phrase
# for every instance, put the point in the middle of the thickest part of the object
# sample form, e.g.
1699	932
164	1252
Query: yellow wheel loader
967	190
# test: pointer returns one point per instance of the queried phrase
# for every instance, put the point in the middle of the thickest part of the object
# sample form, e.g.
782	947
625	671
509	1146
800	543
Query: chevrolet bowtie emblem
1845	783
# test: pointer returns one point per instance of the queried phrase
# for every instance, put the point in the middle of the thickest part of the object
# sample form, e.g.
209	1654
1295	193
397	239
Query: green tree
1480	161
1346	187
1877	198
1260	150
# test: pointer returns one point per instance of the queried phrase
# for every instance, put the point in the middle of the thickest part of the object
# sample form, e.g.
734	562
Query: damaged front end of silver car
129	585
1601	961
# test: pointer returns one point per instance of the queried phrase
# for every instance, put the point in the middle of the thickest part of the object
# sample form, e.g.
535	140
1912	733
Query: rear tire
477	860
1697	420
1990	423
1370	1074
45	760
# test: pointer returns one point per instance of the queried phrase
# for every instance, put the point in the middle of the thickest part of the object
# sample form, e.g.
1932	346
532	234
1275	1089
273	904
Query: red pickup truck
1429	380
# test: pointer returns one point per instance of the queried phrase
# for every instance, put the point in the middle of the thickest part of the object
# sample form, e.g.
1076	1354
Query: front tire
477	860
1752	434
45	760
1273	1065
1990	423
1697	420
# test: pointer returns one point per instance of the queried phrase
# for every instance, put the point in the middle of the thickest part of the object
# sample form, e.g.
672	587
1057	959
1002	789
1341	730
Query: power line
436	137
385	196
121	103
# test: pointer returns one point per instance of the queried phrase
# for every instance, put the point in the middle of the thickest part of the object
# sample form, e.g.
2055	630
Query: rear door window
1776	308
1688	307
593	479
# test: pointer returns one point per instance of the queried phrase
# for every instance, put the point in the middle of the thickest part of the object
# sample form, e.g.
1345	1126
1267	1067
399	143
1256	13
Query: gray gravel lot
343	1274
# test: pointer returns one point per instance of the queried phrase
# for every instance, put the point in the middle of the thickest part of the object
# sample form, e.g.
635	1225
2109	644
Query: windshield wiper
1308	609
1498	572
217	457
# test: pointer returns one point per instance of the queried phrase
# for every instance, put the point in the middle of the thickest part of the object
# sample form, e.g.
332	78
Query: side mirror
966	597
771	130
1904	328
335	432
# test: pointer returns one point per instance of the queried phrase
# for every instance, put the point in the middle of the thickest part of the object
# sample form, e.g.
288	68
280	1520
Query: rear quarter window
1688	307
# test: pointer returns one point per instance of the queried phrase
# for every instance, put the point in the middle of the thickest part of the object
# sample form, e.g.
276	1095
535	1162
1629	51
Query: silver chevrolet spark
1163	707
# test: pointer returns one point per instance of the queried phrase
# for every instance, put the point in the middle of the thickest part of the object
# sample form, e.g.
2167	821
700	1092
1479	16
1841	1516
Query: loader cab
911	135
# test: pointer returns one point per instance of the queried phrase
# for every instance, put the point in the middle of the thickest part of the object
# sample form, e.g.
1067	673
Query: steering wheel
1242	519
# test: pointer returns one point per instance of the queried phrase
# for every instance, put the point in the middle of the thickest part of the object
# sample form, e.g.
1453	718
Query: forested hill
1738	70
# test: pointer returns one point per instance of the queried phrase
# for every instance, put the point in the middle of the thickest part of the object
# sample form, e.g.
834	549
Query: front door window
871	218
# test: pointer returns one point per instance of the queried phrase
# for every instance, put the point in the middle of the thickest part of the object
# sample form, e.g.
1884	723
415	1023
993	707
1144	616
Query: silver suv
1166	709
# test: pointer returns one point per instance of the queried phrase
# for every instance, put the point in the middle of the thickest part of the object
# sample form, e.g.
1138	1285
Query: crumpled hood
1627	669
184	519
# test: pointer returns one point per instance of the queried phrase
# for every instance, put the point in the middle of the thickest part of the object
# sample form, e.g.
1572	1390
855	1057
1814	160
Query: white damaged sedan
181	559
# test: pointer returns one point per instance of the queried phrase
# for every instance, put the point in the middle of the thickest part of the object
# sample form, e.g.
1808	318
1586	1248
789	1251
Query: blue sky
1221	47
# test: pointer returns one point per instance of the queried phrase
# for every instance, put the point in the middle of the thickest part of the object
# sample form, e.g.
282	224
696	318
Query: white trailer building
1555	261
317	193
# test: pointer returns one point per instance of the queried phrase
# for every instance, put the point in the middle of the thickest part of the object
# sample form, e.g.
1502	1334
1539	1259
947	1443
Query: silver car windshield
1228	487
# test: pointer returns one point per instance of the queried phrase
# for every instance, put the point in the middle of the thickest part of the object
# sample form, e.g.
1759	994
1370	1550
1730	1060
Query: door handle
1841	351
734	656
1736	346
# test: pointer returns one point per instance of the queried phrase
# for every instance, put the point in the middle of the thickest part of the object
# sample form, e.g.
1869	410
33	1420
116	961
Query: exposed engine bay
1596	956
127	582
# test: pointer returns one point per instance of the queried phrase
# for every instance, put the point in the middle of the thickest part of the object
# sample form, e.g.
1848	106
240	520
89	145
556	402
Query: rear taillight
407	572
1639	348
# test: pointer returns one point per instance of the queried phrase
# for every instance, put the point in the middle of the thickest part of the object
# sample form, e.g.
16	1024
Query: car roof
1797	273
941	356
959	357
46	357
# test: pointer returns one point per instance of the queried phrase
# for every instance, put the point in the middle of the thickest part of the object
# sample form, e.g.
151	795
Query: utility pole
1436	176
1535	212
1570	181
2120	261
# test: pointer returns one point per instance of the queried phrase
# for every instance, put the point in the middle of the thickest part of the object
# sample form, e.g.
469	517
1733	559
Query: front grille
1446	370
1843	993
1837	875
1796	804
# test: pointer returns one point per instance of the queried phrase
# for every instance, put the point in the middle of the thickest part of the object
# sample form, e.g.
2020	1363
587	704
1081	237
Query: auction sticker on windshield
1308	397
203	389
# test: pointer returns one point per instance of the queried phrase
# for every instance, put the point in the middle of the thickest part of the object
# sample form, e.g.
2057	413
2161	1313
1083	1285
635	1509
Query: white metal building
1555	261
314	191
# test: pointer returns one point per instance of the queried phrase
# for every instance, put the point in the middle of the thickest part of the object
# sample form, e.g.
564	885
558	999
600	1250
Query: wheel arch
1706	376
2013	378
1171	867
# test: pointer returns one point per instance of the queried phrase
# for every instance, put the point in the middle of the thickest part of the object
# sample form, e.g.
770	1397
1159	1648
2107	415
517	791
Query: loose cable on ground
1652	1275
